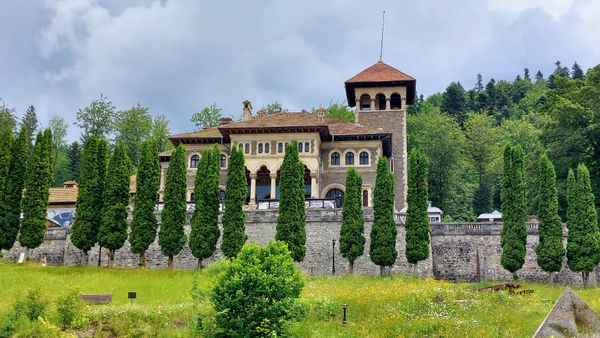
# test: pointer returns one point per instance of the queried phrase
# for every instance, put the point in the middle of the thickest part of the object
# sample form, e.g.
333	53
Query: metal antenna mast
382	26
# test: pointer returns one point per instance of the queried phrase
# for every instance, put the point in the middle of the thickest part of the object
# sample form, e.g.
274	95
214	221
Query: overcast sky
178	56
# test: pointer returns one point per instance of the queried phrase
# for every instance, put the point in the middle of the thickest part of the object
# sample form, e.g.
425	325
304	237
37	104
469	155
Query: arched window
247	148
365	198
194	160
395	102
349	158
365	102
364	158
380	101
280	148
192	198
306	147
336	194
222	196
267	148
223	161
260	148
300	147
335	158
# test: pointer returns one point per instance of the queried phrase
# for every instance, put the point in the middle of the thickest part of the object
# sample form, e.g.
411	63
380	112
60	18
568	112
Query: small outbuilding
435	214
494	216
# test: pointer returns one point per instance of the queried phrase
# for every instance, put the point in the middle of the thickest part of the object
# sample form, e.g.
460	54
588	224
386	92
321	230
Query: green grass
377	307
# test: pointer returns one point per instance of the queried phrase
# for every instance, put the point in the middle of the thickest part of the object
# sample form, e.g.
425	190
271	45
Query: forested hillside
463	131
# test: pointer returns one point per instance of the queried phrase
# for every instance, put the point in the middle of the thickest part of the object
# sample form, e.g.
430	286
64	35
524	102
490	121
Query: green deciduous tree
132	127
90	195
514	211
292	215
10	202
583	243
7	117
234	217
383	232
352	232
417	219
171	236
144	224
340	111
205	220
207	117
113	229
35	198
97	119
454	102
550	250
160	132
256	295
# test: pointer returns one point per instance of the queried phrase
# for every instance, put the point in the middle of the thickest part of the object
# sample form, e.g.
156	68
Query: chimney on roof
261	113
225	120
247	115
321	114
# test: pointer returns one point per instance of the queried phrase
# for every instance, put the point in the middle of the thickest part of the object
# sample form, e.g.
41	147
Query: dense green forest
463	132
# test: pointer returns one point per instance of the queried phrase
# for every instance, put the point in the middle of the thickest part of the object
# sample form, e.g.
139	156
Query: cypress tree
550	250
35	198
292	216
383	233
205	221
74	156
583	243
514	211
417	219
352	232
113	229
88	208
171	236
144	224
10	204
6	141
234	217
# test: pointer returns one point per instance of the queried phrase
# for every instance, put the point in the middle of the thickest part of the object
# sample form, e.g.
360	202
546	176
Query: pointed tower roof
380	75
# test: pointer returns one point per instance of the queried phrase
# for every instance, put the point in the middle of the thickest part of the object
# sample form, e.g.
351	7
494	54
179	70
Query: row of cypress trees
25	180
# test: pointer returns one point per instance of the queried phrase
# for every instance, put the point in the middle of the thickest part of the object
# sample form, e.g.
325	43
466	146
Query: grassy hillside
377	307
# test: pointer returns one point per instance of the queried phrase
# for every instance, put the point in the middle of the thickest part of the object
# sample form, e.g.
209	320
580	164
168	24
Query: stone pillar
372	104
403	102
273	185
252	190
314	186
357	104
387	104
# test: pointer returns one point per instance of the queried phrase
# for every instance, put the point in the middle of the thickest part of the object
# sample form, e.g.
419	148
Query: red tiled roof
380	72
212	132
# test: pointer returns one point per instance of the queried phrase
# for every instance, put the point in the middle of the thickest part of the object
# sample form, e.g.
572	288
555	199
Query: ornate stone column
273	185
372	104
252	190
388	106
314	186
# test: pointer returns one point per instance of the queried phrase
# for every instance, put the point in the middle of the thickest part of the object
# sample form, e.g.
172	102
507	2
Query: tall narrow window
260	148
364	158
349	158
247	148
365	198
395	102
300	147
267	148
194	161
280	148
223	161
365	102
306	147
335	158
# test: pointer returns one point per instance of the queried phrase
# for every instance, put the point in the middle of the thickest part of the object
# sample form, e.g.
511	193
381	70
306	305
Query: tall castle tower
380	95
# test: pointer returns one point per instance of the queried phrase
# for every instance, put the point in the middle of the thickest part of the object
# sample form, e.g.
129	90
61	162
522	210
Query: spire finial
382	26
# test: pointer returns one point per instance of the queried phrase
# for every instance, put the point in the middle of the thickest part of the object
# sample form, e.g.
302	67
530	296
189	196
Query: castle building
326	146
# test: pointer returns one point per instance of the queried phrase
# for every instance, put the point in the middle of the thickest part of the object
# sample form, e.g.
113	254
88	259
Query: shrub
68	308
34	305
256	295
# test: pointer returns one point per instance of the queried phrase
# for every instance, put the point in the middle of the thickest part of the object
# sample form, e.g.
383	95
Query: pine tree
526	76
37	185
30	121
10	201
576	72
383	232
352	232
583	243
550	250
144	224
113	229
6	142
539	76
234	217
205	221
74	164
292	215
417	219
514	211
171	236
89	204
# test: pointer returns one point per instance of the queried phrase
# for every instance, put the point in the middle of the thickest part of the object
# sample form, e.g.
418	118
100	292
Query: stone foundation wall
459	251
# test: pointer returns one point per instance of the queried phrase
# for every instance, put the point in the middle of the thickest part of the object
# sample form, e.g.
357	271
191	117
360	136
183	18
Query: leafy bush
34	305
256	295
23	311
68	308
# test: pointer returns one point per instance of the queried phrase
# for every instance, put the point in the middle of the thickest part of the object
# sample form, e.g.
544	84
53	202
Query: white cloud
556	8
